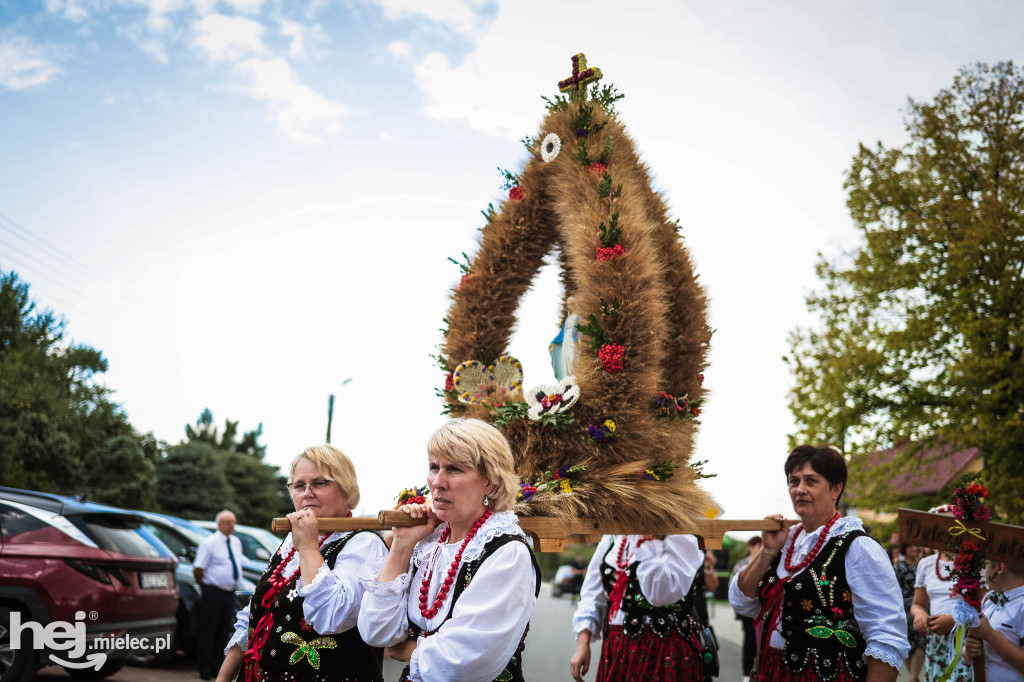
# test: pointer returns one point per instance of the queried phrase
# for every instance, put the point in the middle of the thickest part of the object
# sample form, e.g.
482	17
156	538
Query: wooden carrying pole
551	534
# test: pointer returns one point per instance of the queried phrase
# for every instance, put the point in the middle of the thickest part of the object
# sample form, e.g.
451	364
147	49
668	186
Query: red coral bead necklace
623	563
938	560
275	578
442	594
814	552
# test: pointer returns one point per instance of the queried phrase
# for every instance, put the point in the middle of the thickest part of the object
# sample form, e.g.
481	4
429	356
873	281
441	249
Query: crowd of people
452	597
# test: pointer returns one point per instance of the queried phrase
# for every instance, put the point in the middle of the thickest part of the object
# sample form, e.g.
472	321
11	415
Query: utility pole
330	409
330	415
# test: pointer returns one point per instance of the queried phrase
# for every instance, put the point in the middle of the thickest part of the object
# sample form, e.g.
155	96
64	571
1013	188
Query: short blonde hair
333	464
476	443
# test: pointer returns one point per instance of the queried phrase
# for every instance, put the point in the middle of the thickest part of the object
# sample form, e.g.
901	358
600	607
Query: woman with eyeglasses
301	622
455	595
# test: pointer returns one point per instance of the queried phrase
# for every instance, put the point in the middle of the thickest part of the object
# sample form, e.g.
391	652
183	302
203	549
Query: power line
67	260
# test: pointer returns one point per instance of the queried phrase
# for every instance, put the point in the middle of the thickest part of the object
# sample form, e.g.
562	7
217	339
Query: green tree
922	325
59	430
256	491
191	481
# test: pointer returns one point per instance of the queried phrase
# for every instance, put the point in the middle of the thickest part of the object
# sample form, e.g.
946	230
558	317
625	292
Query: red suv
93	567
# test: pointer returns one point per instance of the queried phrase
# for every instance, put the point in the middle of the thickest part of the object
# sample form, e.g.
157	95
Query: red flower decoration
694	410
596	167
466	279
609	252
515	194
449	382
611	357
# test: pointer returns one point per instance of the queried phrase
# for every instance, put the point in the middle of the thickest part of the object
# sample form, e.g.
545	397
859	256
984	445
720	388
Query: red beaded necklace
450	578
622	549
938	560
277	583
814	552
619	588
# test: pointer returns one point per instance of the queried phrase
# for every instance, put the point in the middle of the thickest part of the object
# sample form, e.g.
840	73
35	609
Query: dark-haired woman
932	612
823	592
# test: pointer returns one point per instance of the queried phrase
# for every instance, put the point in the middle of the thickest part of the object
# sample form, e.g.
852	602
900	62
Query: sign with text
996	541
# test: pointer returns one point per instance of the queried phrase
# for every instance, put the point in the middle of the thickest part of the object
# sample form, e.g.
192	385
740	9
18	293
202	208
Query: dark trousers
216	616
749	644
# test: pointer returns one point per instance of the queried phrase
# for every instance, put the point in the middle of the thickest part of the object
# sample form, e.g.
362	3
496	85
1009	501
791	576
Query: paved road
548	648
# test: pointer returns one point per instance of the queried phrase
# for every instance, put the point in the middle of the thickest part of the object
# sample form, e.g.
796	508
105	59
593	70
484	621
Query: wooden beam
551	534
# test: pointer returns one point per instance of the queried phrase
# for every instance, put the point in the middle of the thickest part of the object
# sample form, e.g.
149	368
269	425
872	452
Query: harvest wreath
584	194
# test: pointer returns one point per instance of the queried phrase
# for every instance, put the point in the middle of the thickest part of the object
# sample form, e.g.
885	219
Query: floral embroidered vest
513	672
817	613
637	611
295	651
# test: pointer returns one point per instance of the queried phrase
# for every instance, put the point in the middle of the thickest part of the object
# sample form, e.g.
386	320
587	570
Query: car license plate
154	581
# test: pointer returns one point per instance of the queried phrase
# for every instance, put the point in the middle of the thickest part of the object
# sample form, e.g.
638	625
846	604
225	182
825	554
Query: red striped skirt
773	669
649	658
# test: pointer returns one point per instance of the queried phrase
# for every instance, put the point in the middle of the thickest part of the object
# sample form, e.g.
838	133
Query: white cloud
229	38
157	19
24	65
297	33
246	6
73	10
303	114
462	16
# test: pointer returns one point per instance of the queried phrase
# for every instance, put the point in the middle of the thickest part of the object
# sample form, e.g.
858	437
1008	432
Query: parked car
564	581
192	534
258	544
182	537
65	559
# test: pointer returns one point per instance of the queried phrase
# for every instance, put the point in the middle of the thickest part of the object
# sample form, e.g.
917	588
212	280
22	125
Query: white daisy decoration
552	399
550	146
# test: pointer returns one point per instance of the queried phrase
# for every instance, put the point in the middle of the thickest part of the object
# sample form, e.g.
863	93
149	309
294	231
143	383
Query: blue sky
244	203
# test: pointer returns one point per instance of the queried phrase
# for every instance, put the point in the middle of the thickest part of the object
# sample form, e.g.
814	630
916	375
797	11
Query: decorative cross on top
581	76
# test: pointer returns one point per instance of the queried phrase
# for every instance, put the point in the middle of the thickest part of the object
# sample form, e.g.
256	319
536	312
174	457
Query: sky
243	203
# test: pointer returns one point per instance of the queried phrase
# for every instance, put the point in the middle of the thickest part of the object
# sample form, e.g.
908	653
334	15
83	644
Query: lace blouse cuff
240	637
320	581
886	654
395	588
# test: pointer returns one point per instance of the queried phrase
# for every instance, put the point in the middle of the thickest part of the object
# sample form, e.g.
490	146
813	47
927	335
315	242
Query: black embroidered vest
637	611
295	651
817	613
513	672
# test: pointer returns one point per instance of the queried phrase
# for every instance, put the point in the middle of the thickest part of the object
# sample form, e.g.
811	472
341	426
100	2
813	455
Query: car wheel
106	670
16	665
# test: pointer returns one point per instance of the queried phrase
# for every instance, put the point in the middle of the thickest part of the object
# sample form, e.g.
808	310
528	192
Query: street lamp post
330	409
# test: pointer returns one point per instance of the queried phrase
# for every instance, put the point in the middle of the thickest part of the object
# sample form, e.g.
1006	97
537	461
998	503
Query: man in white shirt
217	569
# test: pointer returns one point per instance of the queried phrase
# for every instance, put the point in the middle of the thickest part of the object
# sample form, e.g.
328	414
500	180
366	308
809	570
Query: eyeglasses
317	486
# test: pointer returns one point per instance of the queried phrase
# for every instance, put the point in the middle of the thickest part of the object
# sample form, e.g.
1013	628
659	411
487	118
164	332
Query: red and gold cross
581	77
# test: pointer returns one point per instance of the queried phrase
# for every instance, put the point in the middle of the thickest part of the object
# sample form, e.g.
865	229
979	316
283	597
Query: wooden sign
551	534
995	541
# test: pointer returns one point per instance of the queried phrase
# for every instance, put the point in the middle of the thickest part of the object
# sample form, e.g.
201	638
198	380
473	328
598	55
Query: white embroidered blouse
877	599
333	597
487	622
666	572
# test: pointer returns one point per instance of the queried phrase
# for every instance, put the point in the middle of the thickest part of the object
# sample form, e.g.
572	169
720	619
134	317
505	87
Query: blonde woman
301	622
455	595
